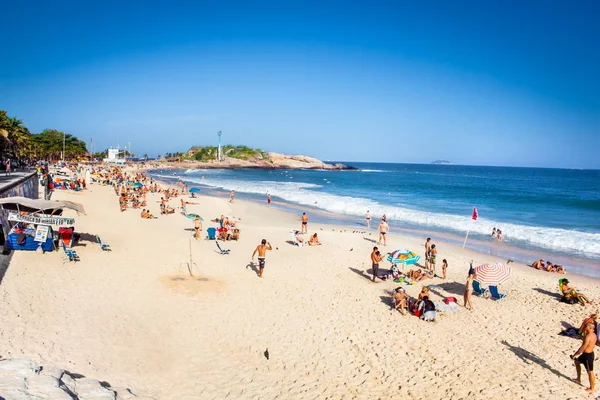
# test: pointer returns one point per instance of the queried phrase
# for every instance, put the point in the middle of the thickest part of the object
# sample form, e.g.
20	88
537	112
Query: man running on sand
585	356
304	223
262	253
383	231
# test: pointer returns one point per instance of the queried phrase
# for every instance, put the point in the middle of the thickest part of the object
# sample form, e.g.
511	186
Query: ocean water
552	213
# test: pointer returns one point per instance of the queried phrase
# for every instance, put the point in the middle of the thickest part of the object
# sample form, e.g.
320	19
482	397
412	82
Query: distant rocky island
442	162
245	157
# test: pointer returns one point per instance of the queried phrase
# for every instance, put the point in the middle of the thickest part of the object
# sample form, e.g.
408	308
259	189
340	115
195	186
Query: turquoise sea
549	213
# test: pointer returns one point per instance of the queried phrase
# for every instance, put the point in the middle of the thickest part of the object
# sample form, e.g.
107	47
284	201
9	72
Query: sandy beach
133	317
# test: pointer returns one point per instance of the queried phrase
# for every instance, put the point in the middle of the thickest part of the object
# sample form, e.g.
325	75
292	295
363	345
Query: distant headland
442	162
245	157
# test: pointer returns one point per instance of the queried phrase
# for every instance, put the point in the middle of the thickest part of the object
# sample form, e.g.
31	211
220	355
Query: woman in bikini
469	292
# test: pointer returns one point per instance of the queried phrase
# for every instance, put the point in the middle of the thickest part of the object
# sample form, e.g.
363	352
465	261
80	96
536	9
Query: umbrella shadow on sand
454	288
530	358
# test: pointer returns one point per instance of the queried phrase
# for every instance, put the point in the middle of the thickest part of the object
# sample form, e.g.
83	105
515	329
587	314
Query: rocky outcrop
22	379
275	161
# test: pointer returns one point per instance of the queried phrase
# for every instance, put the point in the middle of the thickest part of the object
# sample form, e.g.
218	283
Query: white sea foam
372	170
302	193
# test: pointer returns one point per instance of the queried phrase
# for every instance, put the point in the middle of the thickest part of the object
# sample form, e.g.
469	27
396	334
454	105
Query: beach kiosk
27	223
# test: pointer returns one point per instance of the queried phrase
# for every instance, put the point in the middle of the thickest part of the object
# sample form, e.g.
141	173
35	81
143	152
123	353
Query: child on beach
444	266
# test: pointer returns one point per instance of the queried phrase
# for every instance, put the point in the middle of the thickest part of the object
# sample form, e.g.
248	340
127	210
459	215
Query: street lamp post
63	152
219	152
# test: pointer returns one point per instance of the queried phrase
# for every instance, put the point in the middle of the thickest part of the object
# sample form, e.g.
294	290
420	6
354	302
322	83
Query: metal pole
219	152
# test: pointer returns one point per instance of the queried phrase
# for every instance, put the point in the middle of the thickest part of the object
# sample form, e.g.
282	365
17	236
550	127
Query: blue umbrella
193	216
136	185
194	190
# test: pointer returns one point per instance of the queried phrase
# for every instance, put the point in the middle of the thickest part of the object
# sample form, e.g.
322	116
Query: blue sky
475	82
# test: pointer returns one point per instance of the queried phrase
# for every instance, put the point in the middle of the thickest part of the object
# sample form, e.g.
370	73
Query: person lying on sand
400	298
299	238
314	240
414	274
539	264
425	275
570	292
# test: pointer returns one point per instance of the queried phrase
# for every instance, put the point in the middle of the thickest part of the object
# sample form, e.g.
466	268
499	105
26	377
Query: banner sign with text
41	219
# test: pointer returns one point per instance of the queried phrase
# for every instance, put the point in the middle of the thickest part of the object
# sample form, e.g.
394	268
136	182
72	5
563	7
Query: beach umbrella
193	216
403	256
136	185
194	190
492	274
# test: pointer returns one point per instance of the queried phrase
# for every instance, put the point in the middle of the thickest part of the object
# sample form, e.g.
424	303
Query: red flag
475	215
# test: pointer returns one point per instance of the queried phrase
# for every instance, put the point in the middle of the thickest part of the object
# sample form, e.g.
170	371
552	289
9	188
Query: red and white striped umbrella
492	274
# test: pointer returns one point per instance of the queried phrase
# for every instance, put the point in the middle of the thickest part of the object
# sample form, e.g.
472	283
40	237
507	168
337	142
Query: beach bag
449	300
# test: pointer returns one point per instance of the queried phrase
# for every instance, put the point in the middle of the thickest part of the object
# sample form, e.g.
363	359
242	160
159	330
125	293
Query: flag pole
474	218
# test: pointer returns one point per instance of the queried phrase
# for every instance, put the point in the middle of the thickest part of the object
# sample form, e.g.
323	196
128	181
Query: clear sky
474	82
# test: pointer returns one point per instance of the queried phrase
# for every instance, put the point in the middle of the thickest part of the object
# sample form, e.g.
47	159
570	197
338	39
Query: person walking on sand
375	258
444	267
261	249
585	356
197	227
432	257
427	246
304	223
232	196
383	231
268	200
368	219
469	292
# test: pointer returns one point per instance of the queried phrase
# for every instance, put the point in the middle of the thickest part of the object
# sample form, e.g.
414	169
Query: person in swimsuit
427	248
261	249
570	292
368	219
539	264
268	200
197	227
444	267
231	196
469	292
375	258
494	232
432	257
585	356
383	230
304	223
314	240
400	298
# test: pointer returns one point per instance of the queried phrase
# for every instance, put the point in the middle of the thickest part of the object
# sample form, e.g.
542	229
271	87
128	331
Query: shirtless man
383	231
432	257
197	227
261	249
368	219
375	258
585	356
427	246
304	223
231	196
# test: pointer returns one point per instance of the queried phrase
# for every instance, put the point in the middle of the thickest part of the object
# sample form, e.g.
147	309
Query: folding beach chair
223	252
295	240
71	254
104	246
494	294
477	289
211	233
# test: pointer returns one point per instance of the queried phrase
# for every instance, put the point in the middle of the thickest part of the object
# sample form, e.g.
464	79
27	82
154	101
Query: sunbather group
312	241
548	266
145	214
423	307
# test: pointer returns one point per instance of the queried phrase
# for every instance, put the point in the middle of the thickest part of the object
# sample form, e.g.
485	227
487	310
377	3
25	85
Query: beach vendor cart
28	224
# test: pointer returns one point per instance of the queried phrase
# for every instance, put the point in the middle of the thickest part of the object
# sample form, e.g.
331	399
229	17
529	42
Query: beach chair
494	294
103	246
222	252
295	240
71	254
211	233
478	290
